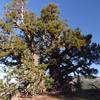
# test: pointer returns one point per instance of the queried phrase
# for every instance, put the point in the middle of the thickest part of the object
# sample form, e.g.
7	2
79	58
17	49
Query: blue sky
79	13
84	14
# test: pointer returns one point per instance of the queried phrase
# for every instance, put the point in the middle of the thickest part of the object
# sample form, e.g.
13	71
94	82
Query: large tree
41	50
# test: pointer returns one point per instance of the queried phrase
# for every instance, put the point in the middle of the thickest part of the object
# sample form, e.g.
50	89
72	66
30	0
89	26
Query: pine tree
47	52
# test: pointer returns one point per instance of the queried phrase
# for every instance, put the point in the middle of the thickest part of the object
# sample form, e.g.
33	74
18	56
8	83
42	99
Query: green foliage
55	28
45	37
49	83
75	38
50	13
1	23
12	15
7	91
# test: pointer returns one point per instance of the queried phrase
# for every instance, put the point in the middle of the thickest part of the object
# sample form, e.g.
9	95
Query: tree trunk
36	58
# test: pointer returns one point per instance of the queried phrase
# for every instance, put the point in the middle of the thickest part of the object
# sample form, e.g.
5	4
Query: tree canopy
41	53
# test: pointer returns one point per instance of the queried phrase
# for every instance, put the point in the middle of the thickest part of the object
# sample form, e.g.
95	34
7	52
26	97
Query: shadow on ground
80	95
93	94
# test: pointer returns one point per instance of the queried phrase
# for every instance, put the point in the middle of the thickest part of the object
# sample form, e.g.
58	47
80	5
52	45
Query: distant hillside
90	83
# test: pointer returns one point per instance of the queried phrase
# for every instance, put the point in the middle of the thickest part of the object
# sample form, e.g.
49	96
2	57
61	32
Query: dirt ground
47	97
40	97
82	95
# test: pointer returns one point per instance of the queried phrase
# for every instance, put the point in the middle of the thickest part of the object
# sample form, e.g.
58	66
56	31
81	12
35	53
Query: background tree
46	53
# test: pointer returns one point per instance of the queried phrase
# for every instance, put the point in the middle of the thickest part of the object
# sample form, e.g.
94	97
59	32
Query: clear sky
79	13
84	14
